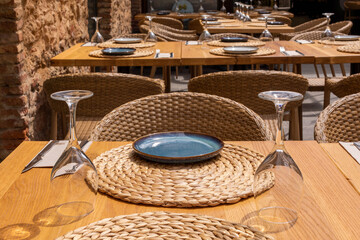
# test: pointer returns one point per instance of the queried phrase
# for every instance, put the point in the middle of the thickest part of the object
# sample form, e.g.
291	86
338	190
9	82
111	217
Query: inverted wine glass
328	34
223	8
251	5
150	37
151	6
266	36
97	37
74	179
247	17
201	8
205	35
177	9
279	204
275	7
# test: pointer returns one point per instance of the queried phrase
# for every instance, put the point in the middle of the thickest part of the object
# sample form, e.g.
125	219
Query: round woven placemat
226	178
112	44
137	53
250	43
164	225
338	43
262	24
355	48
260	52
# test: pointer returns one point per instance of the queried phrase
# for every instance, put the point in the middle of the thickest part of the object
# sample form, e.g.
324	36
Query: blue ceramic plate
118	51
177	147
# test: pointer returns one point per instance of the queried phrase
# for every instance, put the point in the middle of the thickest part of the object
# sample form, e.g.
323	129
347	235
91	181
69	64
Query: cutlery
157	52
299	52
357	145
40	155
283	51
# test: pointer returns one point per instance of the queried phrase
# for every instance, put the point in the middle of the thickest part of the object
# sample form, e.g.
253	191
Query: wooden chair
181	111
244	87
321	84
110	91
304	27
346	86
340	121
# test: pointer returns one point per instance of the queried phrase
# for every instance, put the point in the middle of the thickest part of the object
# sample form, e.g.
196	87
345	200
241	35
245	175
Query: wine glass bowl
97	37
328	34
266	36
201	8
205	35
74	179
223	8
280	204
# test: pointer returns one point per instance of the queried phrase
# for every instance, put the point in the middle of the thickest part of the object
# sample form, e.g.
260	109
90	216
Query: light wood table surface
330	205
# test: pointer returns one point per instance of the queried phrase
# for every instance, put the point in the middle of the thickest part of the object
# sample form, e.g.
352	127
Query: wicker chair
304	27
110	91
196	25
283	19
320	84
161	31
181	111
346	86
170	22
244	87
340	121
338	27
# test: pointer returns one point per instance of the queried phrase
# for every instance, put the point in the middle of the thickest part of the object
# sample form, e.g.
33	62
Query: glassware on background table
266	36
259	3
151	6
328	34
223	8
201	8
150	37
177	9
275	7
247	18
74	179
242	15
280	204
251	5
237	10
97	37
205	35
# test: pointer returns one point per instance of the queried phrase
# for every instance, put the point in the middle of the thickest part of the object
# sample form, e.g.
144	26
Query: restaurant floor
312	105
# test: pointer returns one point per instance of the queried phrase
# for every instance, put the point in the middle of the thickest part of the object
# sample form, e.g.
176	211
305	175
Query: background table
330	206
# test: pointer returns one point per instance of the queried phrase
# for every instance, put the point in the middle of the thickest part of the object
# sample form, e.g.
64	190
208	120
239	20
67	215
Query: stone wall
31	32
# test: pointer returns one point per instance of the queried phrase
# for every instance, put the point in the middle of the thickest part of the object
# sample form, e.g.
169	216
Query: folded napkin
192	43
293	53
50	158
304	41
352	150
164	55
89	44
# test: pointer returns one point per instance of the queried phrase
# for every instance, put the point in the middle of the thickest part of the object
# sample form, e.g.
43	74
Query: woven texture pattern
112	44
170	22
283	19
304	27
355	48
340	27
346	86
182	111
221	35
338	43
164	225
226	178
313	35
263	51
137	53
169	35
250	43
340	121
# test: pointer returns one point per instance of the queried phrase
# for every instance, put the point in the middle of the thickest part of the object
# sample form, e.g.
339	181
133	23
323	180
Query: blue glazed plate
118	51
177	147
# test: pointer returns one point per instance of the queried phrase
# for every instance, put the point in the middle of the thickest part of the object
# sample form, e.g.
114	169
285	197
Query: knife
357	145
39	156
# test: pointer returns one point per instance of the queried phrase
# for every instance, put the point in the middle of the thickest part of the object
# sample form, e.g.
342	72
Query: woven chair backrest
244	87
283	19
171	22
340	121
313	35
347	86
310	25
221	35
181	111
110	91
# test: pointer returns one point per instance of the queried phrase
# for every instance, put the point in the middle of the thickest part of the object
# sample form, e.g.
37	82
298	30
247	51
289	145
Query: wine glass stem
280	108
150	24
328	21
266	22
97	25
72	110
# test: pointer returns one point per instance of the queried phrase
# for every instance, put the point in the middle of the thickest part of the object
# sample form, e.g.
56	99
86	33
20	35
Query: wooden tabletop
79	56
330	206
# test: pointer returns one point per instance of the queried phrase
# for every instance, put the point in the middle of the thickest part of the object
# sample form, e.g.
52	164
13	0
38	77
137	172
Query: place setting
235	41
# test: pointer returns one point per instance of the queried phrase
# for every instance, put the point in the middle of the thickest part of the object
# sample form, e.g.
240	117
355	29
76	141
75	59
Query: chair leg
53	129
332	70
342	69
153	71
326	94
316	70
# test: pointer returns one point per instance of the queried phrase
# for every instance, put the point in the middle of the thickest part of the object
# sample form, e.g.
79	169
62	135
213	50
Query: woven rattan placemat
226	178
260	52
250	43
355	48
164	225
112	44
338	43
138	53
262	24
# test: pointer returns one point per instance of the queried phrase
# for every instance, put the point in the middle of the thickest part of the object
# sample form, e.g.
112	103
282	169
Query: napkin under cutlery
164	55
193	43
53	153
352	150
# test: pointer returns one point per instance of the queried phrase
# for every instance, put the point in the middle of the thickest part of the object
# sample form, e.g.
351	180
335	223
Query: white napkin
164	55
50	158
193	43
292	53
304	41
352	150
89	44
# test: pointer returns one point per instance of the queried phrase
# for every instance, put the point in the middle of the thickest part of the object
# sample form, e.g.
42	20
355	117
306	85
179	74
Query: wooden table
330	206
79	56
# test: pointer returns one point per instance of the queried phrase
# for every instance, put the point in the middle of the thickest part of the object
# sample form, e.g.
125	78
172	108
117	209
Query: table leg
166	77
354	68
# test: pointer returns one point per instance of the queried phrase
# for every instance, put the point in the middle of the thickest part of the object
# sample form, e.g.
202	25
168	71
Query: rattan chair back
196	25
313	35
161	32
221	35
110	91
283	19
170	22
340	121
244	87
310	25
347	86
181	111
340	27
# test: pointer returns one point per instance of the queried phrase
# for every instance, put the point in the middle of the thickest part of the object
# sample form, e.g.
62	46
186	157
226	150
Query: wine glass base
278	215
75	209
19	231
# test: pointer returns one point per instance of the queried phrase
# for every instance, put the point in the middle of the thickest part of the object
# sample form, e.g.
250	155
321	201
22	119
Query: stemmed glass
97	37
242	15
151	6
259	3
150	37
237	12
251	5
223	8
205	35
247	17
280	204
266	35
201	8
74	179
177	10
275	7
328	34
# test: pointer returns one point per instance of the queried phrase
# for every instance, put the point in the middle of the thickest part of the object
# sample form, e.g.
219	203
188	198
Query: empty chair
340	121
304	27
346	86
163	32
168	21
110	91
338	27
283	19
244	87
181	111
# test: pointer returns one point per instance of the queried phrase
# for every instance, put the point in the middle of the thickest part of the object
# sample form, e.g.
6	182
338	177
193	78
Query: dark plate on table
209	19
347	38
212	11
178	147
163	12
264	12
240	50
118	51
276	23
234	39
